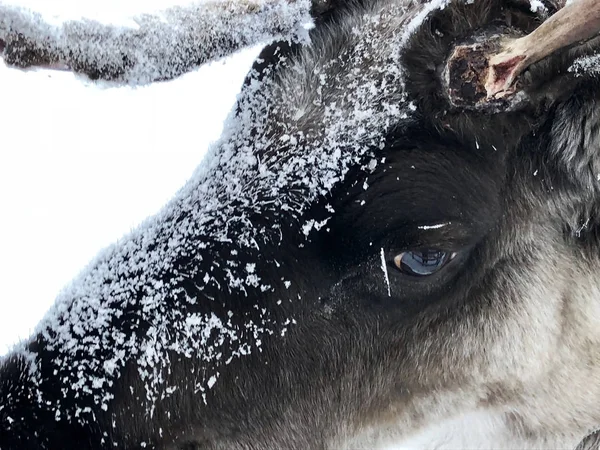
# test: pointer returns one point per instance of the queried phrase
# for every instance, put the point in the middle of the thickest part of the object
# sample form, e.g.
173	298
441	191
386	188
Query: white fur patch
477	430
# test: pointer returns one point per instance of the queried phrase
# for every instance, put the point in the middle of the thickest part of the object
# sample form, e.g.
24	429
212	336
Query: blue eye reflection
422	262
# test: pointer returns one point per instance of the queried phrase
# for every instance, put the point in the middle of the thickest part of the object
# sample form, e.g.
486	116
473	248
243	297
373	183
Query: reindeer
394	244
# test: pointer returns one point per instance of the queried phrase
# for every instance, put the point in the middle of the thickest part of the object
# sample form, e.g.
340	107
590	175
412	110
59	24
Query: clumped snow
290	140
154	47
537	6
586	65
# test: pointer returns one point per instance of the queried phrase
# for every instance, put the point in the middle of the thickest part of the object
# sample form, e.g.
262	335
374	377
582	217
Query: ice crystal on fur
586	64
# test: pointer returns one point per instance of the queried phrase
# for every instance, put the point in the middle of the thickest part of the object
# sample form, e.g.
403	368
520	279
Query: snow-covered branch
160	47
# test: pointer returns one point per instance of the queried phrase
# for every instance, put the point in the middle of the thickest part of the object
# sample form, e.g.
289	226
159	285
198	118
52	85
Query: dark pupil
423	262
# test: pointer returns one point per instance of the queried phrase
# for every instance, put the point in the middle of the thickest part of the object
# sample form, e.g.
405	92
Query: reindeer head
361	261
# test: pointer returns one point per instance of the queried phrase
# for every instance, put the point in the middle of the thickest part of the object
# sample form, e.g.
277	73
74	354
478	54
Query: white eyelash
385	272
433	227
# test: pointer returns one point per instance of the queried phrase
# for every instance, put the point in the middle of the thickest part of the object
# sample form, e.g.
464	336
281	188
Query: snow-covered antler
159	48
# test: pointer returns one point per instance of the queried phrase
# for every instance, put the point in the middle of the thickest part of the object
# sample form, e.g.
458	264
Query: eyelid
448	234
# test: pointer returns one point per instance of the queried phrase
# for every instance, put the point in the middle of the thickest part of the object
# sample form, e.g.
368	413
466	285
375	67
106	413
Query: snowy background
82	164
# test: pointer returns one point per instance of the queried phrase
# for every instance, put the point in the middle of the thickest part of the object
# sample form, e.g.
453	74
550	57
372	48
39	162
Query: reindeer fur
504	338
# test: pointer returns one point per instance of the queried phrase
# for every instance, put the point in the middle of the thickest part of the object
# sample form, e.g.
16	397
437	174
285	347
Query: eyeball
423	262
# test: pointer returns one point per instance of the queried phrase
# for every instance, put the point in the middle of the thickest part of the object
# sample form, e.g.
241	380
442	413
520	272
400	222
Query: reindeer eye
422	262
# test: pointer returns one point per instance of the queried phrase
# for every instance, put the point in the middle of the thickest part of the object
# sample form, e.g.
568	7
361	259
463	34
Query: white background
82	164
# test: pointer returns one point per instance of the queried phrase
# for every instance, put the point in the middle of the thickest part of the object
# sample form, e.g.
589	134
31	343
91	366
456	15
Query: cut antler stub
484	74
467	70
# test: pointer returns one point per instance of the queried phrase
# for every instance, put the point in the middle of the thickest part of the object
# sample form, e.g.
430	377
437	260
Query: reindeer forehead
294	137
333	106
353	66
298	131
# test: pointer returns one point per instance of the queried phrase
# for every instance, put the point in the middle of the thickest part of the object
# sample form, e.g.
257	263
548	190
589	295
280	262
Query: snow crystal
537	6
285	146
211	381
589	65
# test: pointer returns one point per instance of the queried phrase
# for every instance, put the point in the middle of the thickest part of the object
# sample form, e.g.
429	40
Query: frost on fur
160	47
155	272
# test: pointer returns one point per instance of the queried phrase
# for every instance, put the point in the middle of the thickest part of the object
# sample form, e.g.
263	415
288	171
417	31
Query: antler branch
161	47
